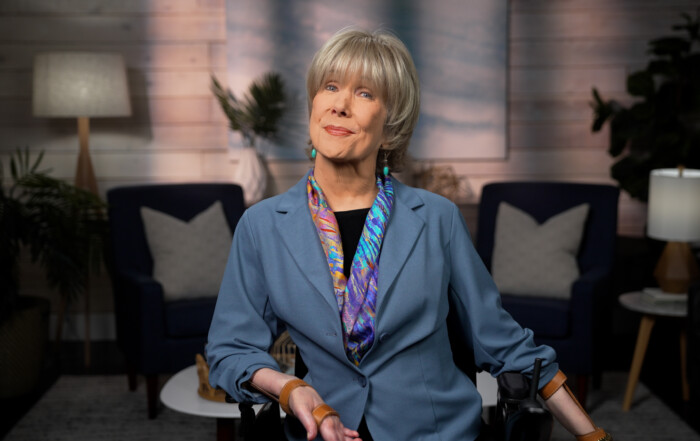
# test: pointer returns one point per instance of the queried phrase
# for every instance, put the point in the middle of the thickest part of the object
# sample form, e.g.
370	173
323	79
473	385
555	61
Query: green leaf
633	175
672	47
601	111
662	67
258	112
640	84
63	227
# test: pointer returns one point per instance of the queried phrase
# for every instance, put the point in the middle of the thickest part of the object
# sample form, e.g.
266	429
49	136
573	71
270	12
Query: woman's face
347	121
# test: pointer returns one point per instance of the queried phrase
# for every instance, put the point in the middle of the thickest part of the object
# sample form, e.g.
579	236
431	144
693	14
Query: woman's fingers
309	424
351	435
332	429
302	401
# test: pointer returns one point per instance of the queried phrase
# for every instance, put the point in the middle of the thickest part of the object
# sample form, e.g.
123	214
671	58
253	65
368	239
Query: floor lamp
674	216
81	85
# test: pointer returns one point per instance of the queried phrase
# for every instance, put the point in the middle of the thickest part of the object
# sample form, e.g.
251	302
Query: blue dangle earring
386	164
313	152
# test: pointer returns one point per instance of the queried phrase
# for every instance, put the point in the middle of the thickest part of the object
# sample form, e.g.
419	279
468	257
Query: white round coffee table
650	309
180	393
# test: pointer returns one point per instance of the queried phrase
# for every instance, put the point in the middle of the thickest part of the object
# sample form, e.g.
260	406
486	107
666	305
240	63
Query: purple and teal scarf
357	297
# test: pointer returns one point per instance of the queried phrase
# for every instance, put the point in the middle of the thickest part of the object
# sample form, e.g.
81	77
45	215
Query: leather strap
553	385
287	389
322	411
557	383
597	435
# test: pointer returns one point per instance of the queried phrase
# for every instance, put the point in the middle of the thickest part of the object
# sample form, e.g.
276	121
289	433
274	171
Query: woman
362	270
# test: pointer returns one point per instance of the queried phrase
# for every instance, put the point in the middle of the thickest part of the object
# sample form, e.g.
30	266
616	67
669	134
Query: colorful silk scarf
357	298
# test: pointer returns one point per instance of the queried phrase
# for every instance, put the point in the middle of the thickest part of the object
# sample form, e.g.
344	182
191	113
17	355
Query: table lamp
81	85
674	216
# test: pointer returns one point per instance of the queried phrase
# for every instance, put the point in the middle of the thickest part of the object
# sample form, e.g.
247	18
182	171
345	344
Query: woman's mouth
338	131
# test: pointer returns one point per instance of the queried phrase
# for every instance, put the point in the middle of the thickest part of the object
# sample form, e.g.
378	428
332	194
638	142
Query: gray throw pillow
537	260
188	257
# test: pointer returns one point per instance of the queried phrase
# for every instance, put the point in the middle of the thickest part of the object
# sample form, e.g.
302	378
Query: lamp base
676	268
84	173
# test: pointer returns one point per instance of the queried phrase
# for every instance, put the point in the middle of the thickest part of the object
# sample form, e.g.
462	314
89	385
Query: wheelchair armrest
519	416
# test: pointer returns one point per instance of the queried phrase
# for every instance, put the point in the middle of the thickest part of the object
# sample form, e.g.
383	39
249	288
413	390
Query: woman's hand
302	401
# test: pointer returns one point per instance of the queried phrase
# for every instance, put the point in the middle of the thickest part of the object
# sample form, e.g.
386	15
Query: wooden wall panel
558	51
110	7
576	52
137	56
103	29
170	47
570	81
563	135
602	6
602	23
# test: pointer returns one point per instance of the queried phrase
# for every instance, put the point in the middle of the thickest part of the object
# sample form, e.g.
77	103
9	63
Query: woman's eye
365	94
331	87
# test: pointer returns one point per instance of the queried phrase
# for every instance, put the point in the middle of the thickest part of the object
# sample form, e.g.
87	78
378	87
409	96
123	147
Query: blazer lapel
403	230
295	227
299	236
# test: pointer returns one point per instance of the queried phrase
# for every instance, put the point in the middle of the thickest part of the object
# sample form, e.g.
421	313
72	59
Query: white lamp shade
80	84
674	205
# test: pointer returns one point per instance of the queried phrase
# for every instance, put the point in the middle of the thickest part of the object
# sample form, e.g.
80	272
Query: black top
350	224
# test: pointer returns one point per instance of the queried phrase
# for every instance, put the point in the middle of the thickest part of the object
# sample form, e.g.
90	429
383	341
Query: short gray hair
385	62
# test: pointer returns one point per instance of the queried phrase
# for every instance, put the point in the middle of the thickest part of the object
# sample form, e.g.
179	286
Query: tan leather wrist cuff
322	411
287	389
553	385
597	435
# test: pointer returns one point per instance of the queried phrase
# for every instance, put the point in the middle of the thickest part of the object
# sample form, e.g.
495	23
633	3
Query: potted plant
62	228
662	128
255	115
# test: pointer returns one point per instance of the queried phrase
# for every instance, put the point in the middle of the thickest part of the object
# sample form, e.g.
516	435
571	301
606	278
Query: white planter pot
251	175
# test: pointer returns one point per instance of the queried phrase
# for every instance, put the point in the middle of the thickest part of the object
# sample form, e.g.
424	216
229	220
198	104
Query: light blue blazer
407	386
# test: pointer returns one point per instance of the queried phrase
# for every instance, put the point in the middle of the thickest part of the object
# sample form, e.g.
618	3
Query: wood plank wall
558	50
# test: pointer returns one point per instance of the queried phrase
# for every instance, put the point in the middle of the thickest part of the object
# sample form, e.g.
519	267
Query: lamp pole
85	179
84	173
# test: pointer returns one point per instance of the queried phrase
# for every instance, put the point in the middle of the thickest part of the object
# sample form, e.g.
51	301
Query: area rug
100	408
649	419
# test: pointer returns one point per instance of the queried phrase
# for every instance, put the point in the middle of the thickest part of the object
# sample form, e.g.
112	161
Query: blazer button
362	381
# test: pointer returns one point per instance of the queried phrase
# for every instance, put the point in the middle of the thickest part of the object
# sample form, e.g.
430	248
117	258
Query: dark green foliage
662	129
259	111
63	228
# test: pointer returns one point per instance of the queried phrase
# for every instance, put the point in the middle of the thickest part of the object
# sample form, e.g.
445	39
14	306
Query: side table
635	301
180	393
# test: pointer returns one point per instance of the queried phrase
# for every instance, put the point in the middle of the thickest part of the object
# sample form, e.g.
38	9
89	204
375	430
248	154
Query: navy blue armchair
572	326
693	349
158	337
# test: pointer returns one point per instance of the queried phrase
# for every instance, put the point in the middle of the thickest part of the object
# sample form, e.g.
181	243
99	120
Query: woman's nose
341	105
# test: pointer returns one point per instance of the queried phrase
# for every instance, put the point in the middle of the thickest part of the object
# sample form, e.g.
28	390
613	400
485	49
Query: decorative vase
251	175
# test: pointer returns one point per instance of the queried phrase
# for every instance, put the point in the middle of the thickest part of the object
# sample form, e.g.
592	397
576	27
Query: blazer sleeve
500	344
243	327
